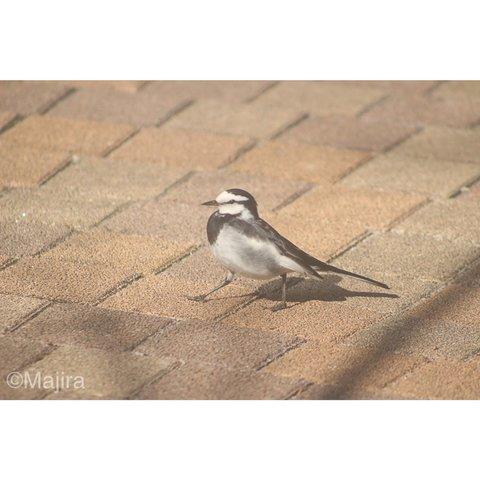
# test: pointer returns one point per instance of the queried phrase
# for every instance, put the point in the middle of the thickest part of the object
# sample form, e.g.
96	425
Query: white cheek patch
231	208
235	209
225	197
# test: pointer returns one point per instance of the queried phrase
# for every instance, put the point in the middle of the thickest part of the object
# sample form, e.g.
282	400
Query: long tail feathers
332	269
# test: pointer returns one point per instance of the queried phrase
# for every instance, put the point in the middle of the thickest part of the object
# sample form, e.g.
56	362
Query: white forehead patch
226	197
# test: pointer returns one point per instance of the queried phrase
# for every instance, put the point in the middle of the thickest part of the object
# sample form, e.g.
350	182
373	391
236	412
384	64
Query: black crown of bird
247	245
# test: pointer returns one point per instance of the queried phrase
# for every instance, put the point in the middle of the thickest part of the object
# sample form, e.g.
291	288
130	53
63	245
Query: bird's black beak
211	203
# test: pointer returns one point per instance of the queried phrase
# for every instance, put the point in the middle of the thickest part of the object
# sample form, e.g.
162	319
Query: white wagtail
247	245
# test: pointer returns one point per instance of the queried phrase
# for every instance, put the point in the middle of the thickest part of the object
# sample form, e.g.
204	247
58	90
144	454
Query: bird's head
235	201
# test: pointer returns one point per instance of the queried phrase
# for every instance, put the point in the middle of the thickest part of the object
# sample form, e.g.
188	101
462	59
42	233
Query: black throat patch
214	225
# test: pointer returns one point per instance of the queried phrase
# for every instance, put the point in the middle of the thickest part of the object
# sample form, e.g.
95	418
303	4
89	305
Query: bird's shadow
326	290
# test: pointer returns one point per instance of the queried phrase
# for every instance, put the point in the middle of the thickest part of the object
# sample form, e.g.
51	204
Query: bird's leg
201	298
283	303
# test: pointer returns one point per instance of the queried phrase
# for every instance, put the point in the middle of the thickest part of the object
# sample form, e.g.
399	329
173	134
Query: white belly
249	257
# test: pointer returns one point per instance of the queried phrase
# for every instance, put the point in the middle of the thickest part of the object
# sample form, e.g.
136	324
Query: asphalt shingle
252	120
181	148
29	97
67	135
102	238
409	173
26	166
140	109
350	132
321	98
308	163
236	91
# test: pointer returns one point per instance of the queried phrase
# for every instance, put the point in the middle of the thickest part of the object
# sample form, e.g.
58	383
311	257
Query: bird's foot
198	298
279	306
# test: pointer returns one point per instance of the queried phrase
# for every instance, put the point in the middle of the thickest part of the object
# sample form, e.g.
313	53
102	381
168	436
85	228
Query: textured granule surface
102	238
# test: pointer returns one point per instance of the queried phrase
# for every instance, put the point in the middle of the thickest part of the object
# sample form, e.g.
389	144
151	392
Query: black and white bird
248	246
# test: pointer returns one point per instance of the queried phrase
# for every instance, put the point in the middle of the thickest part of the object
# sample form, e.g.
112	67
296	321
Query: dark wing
304	259
289	249
261	230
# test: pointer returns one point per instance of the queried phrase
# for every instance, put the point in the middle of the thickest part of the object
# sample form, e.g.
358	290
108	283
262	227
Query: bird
246	245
